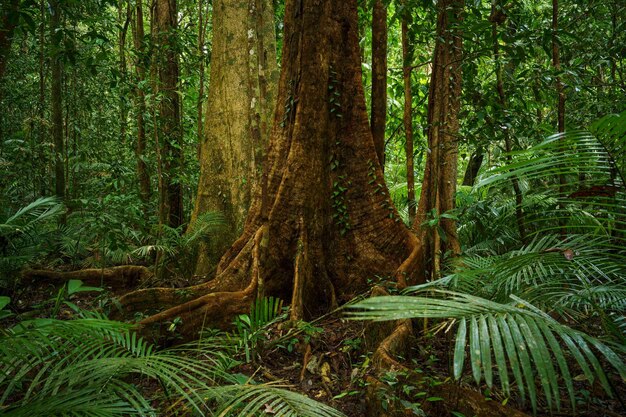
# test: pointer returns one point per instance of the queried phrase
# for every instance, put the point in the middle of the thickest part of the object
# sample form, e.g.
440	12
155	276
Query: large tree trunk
322	223
140	95
56	98
170	129
379	78
238	118
444	100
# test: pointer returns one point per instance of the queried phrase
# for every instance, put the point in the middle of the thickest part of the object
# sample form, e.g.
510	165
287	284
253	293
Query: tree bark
238	117
473	166
140	98
407	56
56	98
379	79
41	154
125	276
439	183
556	63
170	129
324	222
201	59
123	16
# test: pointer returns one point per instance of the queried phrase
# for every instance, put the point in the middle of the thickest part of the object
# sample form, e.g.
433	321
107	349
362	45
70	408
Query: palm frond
23	220
517	337
48	358
248	400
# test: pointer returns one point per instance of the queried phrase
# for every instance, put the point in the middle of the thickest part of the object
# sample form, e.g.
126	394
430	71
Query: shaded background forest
110	149
97	47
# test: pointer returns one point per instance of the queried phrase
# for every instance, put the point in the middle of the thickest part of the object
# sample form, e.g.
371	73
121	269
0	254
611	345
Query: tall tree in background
407	56
123	20
560	91
56	96
202	30
323	222
497	18
379	79
238	116
140	98
556	63
169	120
41	154
8	20
434	225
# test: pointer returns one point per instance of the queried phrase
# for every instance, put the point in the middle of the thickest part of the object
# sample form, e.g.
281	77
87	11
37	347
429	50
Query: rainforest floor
329	360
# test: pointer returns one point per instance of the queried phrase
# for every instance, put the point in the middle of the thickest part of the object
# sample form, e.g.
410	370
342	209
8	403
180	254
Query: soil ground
329	360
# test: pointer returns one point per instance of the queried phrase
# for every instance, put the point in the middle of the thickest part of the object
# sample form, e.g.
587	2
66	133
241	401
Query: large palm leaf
96	367
516	337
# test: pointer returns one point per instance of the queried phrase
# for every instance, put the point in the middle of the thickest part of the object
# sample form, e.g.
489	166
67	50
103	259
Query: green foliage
82	367
530	308
248	400
175	249
516	336
23	236
91	366
251	328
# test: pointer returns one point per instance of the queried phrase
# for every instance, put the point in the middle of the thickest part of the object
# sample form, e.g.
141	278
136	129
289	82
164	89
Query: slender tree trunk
170	129
473	166
238	117
41	154
201	57
439	184
497	18
56	98
556	63
123	17
140	98
8	20
379	79
324	222
407	57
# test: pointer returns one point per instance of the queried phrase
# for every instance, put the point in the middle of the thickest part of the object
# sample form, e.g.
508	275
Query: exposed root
186	321
456	397
212	305
469	402
411	262
395	345
125	276
234	278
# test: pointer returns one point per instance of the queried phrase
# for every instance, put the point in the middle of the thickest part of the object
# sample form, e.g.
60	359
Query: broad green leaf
459	348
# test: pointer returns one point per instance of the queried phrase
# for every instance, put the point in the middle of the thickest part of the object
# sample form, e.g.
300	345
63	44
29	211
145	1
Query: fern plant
92	366
531	305
252	327
23	234
176	249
